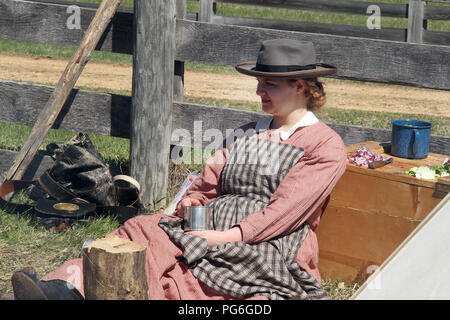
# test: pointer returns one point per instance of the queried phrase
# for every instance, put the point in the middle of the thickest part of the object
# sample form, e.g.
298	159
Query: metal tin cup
196	218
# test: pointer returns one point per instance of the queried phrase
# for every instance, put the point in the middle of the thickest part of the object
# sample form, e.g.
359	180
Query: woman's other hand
186	203
215	238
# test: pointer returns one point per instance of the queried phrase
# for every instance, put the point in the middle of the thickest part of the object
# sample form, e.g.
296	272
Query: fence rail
416	11
46	23
332	6
356	58
22	102
392	34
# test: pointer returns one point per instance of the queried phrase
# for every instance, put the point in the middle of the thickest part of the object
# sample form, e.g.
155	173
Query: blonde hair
315	93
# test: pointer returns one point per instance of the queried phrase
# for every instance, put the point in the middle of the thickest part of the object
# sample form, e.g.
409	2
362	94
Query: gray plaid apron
254	169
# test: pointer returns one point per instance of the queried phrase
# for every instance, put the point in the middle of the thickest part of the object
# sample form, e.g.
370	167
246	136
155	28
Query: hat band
271	68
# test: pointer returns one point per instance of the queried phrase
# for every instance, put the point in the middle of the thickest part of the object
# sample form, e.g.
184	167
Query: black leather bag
78	172
78	187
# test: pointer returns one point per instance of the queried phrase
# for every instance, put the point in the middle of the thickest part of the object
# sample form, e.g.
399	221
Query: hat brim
321	70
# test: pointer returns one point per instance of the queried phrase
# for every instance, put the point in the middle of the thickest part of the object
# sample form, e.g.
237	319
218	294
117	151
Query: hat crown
286	52
286	58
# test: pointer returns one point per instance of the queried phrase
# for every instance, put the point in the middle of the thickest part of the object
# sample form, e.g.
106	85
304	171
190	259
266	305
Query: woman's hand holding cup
187	202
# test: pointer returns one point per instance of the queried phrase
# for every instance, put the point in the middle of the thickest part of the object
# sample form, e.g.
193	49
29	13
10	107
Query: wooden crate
371	211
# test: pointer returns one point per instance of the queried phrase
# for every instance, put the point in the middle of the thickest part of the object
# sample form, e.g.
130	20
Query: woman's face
279	97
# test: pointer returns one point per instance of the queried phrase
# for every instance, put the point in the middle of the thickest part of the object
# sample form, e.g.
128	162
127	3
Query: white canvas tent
420	267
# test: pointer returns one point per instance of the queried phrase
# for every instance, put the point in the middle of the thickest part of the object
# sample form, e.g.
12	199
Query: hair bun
316	93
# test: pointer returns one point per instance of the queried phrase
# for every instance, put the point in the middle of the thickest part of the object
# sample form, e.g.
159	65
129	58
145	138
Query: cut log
114	269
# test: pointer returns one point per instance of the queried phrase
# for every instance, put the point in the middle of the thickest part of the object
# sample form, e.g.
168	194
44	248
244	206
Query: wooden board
436	37
351	241
335	6
371	211
393	34
400	62
437	12
21	103
38	165
47	23
395	170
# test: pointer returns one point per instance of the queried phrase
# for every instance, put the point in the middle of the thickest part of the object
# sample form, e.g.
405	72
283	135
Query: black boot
26	286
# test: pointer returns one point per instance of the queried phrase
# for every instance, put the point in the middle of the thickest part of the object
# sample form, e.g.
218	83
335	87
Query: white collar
308	119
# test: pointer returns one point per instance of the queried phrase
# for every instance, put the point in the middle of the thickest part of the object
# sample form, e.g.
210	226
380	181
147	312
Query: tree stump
114	269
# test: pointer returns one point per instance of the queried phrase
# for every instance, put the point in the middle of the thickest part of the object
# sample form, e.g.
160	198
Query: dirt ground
232	86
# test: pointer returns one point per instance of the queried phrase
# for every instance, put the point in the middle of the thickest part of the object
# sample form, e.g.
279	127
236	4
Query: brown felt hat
285	58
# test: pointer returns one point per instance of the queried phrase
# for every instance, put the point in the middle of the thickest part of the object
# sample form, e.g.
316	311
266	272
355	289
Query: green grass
23	242
339	290
39	49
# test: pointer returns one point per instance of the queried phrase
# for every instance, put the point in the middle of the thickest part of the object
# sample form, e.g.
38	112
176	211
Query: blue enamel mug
410	138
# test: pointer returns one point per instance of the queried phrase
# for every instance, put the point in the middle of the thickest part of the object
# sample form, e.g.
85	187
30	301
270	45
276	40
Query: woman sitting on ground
266	188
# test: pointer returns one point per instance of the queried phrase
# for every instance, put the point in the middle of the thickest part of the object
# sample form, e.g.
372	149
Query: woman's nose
259	90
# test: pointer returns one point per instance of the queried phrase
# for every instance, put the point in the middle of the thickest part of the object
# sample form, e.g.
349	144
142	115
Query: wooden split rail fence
156	108
417	12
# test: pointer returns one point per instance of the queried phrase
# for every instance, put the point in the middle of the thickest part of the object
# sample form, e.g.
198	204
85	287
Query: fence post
178	85
205	12
415	21
152	100
178	80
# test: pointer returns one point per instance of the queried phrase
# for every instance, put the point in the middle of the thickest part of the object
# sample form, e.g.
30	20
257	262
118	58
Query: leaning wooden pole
48	115
151	115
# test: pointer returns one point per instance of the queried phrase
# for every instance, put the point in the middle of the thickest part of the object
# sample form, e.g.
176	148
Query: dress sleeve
302	191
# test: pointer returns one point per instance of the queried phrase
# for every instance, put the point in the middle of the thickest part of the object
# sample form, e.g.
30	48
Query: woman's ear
300	85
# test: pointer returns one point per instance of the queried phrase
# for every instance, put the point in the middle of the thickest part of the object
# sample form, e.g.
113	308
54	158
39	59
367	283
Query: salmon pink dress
294	206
